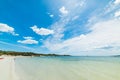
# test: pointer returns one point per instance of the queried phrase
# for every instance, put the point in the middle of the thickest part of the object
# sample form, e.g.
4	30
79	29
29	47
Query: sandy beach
59	68
7	68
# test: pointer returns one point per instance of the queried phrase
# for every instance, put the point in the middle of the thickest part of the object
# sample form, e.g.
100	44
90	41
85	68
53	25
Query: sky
75	27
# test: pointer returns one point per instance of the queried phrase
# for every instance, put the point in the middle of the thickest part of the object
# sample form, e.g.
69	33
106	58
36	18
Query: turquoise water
68	68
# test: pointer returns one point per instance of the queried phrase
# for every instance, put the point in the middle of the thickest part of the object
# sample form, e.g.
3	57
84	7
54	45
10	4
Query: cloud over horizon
77	27
103	34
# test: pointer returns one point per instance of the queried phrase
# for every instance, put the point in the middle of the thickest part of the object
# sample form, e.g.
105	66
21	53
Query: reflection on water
68	68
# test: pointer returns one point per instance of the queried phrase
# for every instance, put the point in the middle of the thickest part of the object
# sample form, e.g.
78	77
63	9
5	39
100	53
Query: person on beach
1	58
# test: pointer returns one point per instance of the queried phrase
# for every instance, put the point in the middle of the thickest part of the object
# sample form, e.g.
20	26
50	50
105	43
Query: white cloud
61	25
63	10
7	29
103	34
28	40
117	14
42	31
51	15
28	37
75	17
117	1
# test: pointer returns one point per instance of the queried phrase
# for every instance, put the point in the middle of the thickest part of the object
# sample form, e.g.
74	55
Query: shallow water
68	68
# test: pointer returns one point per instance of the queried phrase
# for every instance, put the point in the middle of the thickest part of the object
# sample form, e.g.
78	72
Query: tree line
13	53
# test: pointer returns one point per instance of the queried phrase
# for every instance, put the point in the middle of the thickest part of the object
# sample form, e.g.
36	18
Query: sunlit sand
7	68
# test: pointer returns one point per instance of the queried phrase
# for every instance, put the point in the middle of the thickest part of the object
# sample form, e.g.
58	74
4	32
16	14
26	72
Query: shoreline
7	68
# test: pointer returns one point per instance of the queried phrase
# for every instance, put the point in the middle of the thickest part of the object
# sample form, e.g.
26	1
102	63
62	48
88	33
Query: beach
59	68
7	68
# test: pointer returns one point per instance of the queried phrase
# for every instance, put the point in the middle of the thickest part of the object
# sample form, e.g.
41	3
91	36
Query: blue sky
77	27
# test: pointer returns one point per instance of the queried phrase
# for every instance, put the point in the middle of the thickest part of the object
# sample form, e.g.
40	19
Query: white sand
7	68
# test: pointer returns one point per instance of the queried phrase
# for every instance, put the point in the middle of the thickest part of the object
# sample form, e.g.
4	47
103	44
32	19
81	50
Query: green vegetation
13	53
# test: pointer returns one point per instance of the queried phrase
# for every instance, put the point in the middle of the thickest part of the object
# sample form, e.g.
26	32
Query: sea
68	68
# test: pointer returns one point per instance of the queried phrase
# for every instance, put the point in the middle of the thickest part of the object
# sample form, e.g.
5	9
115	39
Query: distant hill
13	53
